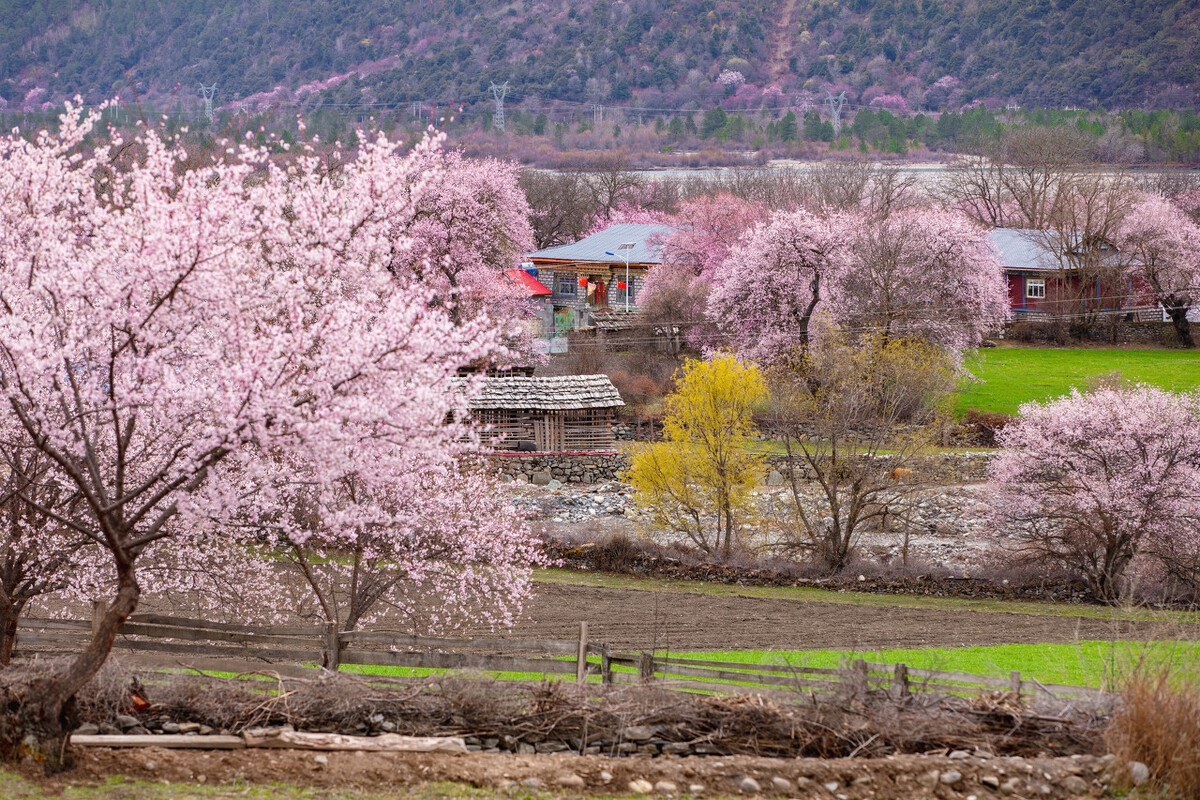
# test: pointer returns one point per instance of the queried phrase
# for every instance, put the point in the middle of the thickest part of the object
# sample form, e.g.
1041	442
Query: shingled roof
563	393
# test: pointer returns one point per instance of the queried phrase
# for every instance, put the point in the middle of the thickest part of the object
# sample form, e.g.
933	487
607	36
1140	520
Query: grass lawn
1092	663
1010	376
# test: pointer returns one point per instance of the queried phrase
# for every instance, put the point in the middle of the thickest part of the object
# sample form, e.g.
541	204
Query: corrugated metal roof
561	393
1025	249
1020	248
647	248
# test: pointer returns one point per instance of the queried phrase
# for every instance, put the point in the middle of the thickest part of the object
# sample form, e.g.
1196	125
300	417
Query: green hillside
914	54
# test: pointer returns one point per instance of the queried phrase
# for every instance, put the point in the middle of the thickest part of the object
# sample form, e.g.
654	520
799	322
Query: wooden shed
570	413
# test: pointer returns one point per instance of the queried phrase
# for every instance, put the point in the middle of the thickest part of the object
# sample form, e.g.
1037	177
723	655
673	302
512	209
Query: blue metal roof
647	239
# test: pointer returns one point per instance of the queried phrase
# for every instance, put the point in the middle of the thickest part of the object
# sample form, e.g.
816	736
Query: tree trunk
9	614
41	714
1183	328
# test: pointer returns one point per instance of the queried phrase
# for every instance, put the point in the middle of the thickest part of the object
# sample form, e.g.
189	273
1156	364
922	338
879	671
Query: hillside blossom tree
1163	245
768	289
1091	481
186	346
919	273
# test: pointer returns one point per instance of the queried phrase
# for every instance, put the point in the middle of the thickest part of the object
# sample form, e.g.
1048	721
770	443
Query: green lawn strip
815	595
1087	663
1009	376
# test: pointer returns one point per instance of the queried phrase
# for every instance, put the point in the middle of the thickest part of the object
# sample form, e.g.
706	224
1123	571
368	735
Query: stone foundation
541	468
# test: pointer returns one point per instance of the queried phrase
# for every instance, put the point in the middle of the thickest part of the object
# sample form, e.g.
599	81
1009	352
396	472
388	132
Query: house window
618	292
565	284
1035	288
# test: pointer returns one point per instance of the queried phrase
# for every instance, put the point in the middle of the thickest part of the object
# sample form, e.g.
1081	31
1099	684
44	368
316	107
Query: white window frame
1032	284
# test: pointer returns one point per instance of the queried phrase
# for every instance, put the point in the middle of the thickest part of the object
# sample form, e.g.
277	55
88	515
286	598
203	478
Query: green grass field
1093	663
1009	376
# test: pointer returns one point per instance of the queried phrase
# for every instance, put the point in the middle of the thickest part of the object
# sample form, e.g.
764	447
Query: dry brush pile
560	717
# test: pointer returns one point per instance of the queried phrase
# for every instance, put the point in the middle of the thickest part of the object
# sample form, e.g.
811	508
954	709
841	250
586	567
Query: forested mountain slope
911	54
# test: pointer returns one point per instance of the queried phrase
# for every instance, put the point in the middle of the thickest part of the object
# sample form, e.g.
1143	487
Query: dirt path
782	40
632	618
226	774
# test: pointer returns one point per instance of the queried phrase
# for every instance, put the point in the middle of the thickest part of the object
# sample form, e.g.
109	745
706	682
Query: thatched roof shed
568	413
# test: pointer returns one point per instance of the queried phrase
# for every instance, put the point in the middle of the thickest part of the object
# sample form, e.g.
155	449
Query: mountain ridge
910	55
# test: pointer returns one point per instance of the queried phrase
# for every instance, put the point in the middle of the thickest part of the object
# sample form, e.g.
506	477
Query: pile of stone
132	726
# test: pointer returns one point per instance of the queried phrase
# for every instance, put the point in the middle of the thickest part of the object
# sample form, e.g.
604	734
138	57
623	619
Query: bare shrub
984	425
616	553
1158	724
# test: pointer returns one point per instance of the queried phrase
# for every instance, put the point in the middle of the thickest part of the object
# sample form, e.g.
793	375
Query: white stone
639	786
748	784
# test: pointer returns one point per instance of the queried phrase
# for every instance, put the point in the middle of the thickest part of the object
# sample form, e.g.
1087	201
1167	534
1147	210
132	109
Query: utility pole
207	93
835	111
498	92
597	115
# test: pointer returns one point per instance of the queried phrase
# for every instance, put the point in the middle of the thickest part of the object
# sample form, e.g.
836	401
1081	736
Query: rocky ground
951	527
949	776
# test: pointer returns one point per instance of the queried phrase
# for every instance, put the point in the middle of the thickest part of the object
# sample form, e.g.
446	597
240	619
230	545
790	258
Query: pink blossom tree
919	273
1163	246
470	223
707	229
1090	481
768	289
171	339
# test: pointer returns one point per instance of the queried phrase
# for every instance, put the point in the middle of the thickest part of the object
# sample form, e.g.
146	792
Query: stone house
600	273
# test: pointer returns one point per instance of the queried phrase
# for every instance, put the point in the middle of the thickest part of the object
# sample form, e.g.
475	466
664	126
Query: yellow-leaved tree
697	481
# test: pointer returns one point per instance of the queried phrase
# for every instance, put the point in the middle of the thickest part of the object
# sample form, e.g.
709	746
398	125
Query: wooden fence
162	641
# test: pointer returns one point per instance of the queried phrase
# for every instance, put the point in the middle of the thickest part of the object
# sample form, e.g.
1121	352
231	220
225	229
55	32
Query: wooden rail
158	640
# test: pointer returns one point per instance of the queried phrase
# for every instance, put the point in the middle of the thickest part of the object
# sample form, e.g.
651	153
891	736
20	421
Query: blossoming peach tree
209	358
1091	482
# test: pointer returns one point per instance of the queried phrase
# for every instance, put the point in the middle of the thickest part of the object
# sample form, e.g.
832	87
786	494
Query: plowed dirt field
678	620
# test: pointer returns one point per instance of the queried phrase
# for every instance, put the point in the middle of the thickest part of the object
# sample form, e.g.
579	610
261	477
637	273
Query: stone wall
541	468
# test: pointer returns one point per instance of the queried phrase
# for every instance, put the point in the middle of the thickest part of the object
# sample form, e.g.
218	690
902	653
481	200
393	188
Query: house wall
1127	293
554	276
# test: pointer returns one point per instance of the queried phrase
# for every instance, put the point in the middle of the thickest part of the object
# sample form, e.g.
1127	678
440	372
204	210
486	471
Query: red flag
620	284
583	280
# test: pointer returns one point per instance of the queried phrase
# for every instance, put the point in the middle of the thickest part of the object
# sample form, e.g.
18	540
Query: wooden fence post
1014	682
333	647
605	665
900	681
97	615
646	668
859	676
581	658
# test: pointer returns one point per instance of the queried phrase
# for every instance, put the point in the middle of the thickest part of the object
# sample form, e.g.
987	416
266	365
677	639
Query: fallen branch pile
559	717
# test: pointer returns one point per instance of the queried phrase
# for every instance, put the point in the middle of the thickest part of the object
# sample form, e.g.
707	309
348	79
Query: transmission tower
498	92
207	93
835	111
